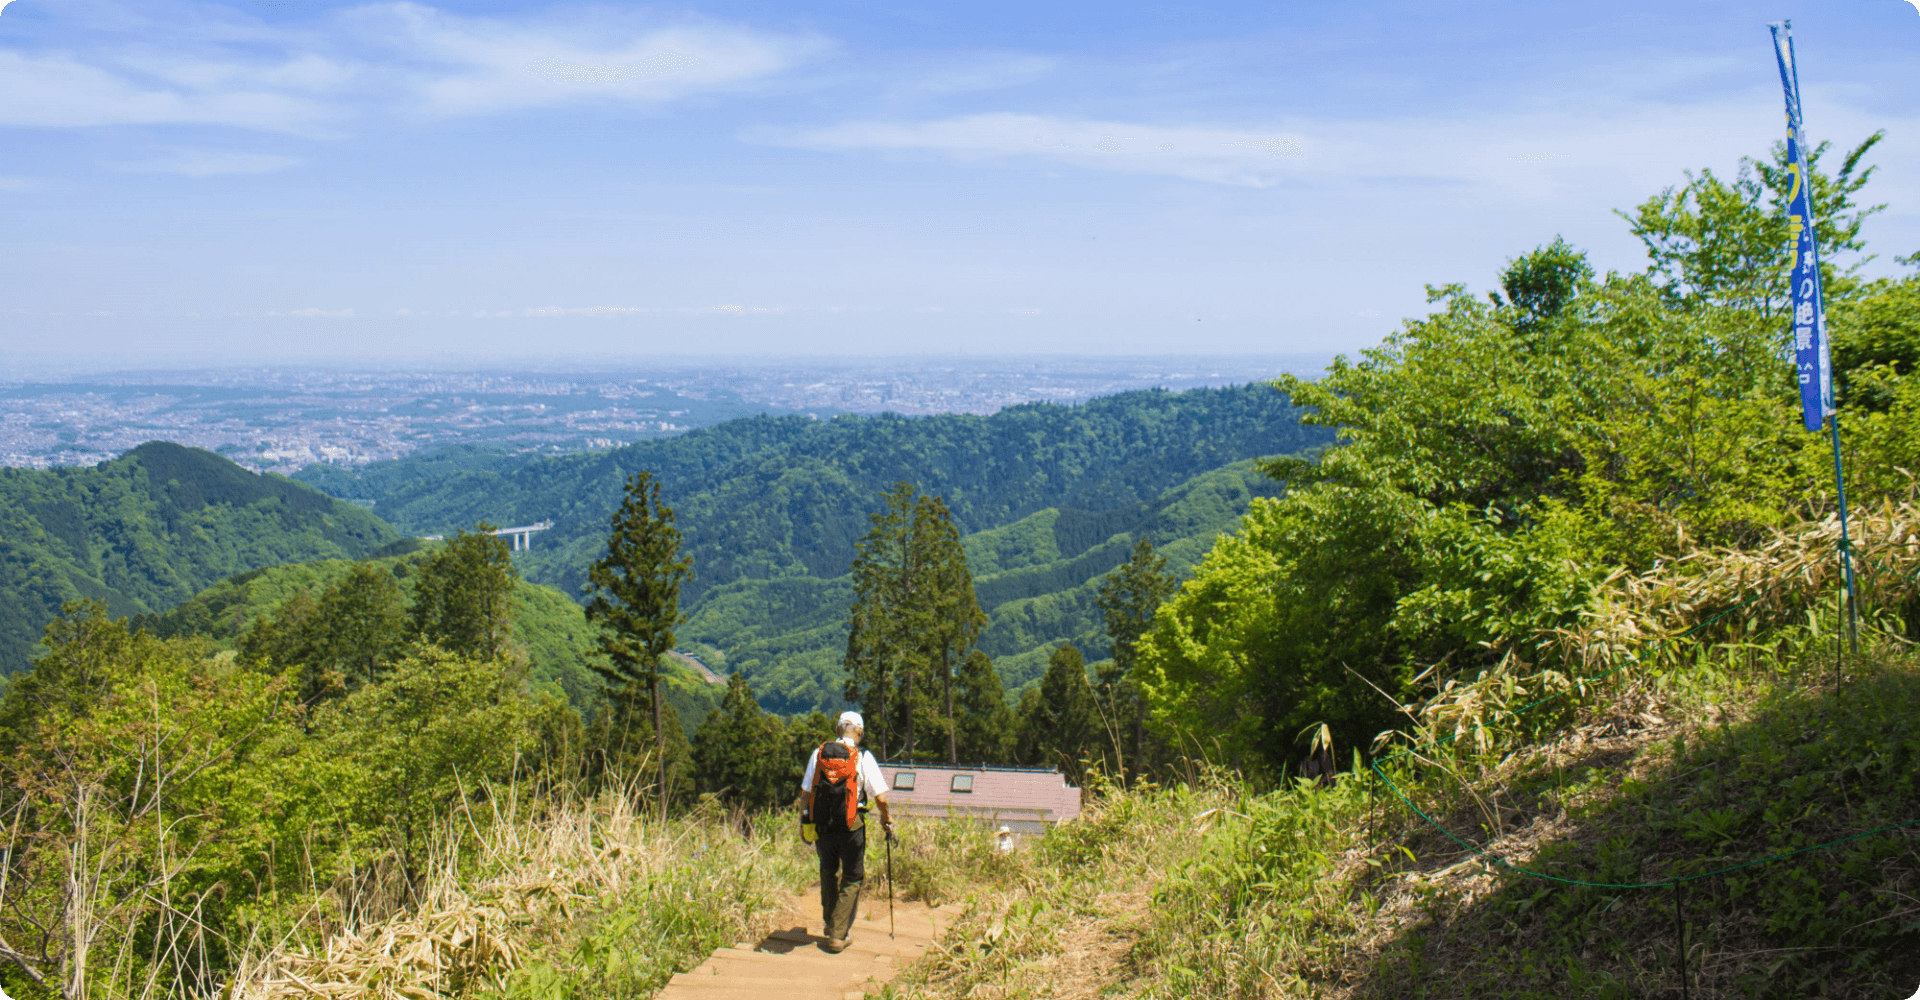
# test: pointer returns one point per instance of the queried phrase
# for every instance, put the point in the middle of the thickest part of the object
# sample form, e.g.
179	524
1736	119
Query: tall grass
1716	754
561	894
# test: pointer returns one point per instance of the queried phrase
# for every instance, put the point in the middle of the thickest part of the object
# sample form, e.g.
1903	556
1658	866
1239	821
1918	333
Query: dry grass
1062	916
567	895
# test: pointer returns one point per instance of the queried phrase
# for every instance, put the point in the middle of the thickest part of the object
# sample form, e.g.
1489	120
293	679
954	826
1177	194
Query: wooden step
791	963
905	937
801	958
829	968
784	992
720	966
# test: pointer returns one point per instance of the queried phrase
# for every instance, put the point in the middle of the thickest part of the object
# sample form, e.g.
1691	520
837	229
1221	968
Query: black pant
843	866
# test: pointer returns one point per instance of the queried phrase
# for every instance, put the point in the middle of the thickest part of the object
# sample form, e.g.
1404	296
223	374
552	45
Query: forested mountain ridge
1047	499
767	497
787	634
151	528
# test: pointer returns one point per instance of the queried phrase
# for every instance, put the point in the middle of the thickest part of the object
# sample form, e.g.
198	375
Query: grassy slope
1206	889
1037	578
1340	892
150	529
549	630
544	895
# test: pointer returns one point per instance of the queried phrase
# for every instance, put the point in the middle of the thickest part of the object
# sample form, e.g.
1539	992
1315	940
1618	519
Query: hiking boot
837	945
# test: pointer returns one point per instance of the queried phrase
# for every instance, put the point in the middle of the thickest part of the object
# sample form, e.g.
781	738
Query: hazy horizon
284	418
16	371
222	182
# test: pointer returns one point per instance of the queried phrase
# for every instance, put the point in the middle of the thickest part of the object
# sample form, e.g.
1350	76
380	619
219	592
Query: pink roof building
1025	799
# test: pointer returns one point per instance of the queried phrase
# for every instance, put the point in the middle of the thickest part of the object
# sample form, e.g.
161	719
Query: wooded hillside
152	528
1048	499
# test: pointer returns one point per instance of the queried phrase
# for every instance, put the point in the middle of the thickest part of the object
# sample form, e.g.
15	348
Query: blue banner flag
1810	357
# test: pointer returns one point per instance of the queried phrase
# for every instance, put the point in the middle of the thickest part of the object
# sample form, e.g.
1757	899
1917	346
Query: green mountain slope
1048	497
150	529
766	498
787	635
549	631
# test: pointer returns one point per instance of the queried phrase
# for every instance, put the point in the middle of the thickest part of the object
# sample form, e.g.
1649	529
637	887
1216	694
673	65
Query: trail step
791	963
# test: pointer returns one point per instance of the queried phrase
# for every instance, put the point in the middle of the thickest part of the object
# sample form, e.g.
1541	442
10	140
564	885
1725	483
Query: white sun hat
851	719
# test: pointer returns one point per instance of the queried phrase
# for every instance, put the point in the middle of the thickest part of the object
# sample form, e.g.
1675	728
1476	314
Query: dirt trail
792	963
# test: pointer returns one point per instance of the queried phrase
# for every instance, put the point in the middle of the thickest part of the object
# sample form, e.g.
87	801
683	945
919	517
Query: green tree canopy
1061	725
463	595
1501	455
983	723
740	751
636	603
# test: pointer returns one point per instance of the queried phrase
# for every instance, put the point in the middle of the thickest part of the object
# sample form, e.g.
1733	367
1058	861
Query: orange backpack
836	788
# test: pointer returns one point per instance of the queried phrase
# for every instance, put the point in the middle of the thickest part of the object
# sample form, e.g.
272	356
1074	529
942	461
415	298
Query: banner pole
1852	623
1813	358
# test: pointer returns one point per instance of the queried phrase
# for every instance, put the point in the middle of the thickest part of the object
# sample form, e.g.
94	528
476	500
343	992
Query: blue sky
487	180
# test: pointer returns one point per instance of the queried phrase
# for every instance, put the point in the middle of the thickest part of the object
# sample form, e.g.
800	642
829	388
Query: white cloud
1251	157
332	314
62	90
211	163
16	183
1518	156
551	311
380	58
483	65
984	73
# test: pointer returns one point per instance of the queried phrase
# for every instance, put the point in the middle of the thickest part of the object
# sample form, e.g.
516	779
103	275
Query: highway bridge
522	535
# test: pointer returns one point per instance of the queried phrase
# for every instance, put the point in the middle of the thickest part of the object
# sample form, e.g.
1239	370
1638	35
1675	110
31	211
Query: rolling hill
1048	499
151	528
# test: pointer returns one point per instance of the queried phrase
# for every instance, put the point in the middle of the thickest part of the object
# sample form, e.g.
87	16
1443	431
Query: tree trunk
659	738
880	682
1139	738
906	704
946	682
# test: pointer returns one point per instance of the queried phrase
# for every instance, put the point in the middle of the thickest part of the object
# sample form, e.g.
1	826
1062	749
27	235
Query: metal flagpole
1813	361
1846	543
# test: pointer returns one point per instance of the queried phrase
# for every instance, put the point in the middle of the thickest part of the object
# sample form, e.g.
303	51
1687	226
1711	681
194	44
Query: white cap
852	719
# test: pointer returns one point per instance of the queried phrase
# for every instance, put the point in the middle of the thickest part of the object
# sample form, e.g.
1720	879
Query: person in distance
840	781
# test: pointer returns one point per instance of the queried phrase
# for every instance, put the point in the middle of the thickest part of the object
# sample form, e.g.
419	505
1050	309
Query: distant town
285	419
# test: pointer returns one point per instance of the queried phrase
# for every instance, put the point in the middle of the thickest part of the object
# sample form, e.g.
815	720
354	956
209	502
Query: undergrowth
1716	759
552	896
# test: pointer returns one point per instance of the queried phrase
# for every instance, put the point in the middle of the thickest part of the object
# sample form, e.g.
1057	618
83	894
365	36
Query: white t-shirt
872	781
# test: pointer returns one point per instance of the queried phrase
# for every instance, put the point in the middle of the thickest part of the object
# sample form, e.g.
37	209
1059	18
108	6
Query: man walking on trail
840	779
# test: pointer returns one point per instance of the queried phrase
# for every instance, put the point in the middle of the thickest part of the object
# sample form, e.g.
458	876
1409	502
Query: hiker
840	779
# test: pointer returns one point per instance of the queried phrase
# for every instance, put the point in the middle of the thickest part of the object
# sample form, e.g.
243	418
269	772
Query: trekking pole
889	881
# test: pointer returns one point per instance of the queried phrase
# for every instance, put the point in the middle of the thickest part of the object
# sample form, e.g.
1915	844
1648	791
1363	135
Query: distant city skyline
198	182
283	419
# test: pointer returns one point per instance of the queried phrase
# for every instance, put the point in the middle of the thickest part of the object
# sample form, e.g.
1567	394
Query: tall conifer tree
463	595
636	602
914	619
952	619
1062	722
740	748
1129	596
984	723
878	633
366	620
